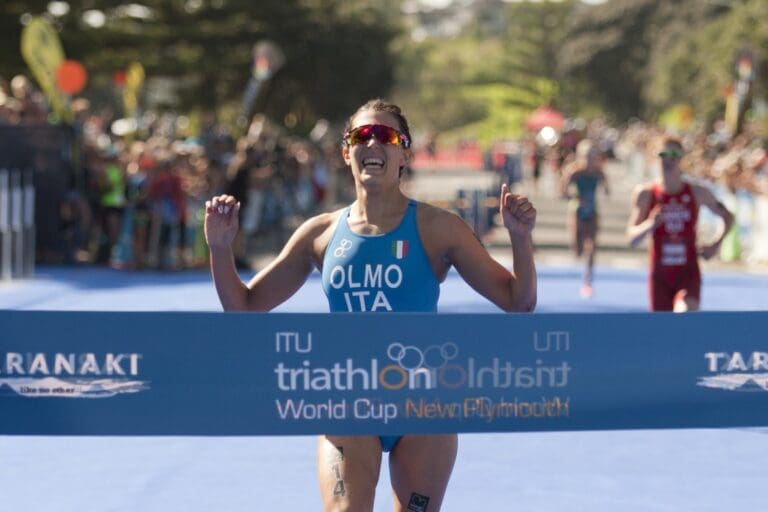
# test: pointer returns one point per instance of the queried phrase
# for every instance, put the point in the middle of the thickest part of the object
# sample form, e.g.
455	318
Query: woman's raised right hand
221	221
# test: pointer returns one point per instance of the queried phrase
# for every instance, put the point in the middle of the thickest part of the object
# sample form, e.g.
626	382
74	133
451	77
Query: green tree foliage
432	79
623	58
337	54
699	66
616	48
485	82
11	11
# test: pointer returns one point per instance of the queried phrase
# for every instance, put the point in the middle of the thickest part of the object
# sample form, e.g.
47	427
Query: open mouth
373	163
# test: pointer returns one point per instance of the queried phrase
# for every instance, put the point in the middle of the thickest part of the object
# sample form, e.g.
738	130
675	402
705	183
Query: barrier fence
37	168
17	223
280	374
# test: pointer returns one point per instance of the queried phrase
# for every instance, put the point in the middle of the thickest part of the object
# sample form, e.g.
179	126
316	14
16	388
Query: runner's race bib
673	253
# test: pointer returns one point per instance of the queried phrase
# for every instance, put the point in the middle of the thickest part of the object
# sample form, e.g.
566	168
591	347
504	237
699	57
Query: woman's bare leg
419	467
348	469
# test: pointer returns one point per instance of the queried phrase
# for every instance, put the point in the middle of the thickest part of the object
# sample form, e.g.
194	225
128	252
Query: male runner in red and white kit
669	210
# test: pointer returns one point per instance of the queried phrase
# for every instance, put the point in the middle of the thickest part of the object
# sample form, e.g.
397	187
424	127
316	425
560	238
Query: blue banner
278	374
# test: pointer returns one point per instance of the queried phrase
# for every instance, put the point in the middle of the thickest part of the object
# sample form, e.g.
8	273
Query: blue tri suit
379	273
586	185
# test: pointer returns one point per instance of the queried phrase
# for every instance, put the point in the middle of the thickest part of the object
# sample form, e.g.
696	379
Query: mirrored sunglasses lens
360	135
386	135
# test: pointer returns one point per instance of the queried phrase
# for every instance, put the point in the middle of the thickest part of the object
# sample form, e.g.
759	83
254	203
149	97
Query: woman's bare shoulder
438	223
317	231
431	214
320	223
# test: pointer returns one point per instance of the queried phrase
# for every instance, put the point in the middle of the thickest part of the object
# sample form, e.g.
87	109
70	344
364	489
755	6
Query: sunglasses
383	133
671	153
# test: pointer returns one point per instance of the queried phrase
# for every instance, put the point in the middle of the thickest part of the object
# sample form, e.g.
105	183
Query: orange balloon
71	77
118	78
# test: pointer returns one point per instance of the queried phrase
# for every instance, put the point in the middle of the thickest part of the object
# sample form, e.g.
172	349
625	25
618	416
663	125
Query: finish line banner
279	374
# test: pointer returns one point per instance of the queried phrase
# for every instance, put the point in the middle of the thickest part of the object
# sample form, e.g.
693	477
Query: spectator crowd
137	191
137	194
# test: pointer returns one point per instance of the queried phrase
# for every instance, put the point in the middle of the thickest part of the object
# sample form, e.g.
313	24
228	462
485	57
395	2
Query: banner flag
134	79
89	373
42	51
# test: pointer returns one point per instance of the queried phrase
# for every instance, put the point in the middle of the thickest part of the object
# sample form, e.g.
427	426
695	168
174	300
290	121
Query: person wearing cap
668	211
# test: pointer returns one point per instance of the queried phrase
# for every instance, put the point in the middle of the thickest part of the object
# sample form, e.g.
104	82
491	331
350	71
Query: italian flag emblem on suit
400	249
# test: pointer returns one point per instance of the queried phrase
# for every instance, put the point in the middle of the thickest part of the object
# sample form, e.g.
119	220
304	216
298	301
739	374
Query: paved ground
617	289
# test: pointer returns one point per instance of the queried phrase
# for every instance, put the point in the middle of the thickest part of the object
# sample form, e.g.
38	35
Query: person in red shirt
169	215
668	210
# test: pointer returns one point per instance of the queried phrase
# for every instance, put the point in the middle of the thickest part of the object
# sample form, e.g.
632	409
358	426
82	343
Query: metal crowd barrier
17	223
478	208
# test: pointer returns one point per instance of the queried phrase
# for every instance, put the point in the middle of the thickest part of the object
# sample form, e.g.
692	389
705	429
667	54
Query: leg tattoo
338	489
418	503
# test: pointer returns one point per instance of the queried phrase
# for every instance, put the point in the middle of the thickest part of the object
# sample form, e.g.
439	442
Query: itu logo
433	357
439	366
